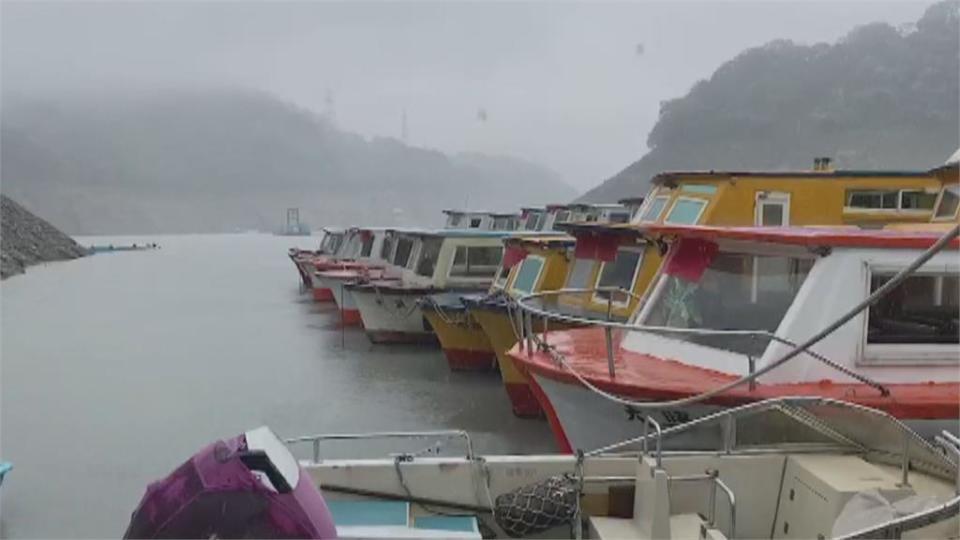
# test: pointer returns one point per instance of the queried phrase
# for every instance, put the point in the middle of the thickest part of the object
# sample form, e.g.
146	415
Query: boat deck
644	377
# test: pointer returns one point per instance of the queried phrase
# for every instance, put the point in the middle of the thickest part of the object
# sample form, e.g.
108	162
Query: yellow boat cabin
606	257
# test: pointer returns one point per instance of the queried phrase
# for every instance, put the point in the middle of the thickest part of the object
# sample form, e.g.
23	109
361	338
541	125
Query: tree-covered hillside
223	160
879	98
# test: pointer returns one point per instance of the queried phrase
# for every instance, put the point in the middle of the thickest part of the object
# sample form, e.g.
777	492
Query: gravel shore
26	239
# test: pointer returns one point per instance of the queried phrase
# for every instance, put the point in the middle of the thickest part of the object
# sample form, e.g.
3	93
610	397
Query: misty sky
562	84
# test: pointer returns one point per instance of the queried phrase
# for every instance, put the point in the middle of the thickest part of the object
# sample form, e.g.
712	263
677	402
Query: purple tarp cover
216	495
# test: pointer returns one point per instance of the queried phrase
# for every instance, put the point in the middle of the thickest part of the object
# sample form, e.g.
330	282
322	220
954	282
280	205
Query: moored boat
429	262
462	338
531	263
732	302
481	220
372	262
329	244
802	467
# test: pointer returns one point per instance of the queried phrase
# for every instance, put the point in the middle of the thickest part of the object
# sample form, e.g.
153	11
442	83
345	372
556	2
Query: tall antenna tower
404	134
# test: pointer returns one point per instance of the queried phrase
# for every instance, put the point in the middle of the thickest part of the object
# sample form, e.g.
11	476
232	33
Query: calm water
117	367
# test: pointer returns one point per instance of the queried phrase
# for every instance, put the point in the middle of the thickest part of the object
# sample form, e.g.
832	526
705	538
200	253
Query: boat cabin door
772	209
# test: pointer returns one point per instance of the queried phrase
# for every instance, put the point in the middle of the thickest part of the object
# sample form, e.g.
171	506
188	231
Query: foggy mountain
223	160
879	98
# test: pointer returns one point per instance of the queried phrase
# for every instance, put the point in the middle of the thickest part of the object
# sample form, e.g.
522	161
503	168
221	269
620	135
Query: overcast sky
573	86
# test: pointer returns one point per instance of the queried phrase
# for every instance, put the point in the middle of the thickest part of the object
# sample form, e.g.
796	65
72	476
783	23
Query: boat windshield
429	253
733	291
948	204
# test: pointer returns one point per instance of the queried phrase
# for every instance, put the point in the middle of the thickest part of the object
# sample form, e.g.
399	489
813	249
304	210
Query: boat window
922	309
706	189
653	210
580	274
949	202
562	216
476	261
502	223
917	200
503	274
454	221
528	274
619	273
335	242
352	247
727	287
773	213
474	223
890	199
533	221
386	248
686	211
367	246
402	254
619	217
427	261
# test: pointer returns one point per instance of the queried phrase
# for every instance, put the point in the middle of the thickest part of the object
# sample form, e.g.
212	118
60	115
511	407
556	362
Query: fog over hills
221	160
879	98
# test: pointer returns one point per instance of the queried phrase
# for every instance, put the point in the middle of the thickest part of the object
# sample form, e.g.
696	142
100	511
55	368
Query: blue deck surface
446	523
369	513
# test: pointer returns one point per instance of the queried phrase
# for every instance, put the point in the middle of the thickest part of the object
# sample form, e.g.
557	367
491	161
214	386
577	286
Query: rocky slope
26	239
881	97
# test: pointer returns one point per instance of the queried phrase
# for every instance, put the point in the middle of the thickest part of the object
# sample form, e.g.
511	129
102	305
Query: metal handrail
647	422
609	325
713	476
717	482
740	411
446	434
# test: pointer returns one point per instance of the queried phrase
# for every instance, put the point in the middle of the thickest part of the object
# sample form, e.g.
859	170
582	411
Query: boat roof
833	236
479	213
533	208
334	230
596	227
465	233
670	177
631	201
596	206
542	239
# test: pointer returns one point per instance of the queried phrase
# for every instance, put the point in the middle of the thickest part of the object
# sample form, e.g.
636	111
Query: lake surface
117	367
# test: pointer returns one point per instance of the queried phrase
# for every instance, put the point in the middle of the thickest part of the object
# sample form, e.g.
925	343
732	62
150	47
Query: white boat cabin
533	218
485	221
791	283
331	241
557	214
444	258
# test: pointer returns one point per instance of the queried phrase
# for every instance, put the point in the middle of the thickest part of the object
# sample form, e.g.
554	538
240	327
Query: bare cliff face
26	240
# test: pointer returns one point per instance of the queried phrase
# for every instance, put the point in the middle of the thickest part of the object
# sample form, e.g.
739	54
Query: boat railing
316	440
951	445
713	476
798	408
530	339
